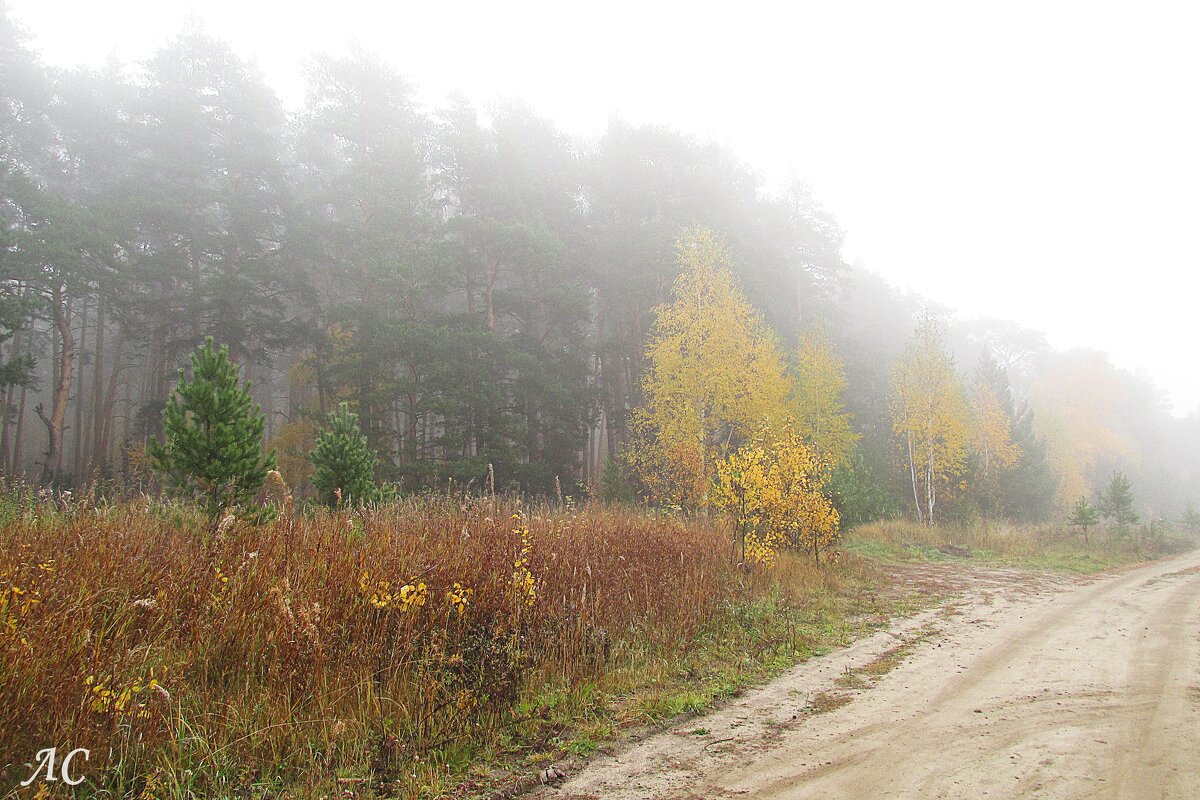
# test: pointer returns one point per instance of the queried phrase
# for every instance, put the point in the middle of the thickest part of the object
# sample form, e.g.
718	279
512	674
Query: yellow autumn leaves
714	373
820	415
522	579
772	487
937	427
459	597
380	593
20	593
108	696
725	425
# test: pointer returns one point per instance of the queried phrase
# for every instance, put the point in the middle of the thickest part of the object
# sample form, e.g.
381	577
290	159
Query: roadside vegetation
1025	546
386	650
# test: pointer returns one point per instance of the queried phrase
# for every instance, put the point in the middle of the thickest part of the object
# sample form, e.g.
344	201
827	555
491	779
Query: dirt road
1026	687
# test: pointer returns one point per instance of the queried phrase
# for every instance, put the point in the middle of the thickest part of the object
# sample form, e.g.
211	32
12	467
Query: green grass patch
999	544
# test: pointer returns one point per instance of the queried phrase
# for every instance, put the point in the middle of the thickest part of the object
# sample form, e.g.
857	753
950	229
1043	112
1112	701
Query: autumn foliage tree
773	487
714	374
929	417
1079	401
821	417
991	443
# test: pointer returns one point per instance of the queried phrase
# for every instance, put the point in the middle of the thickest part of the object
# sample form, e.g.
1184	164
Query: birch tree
929	417
821	415
714	374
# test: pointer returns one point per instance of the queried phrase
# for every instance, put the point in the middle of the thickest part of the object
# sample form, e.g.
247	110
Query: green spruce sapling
1191	518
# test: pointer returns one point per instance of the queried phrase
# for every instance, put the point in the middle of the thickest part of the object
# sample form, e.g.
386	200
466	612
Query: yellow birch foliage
772	486
929	417
991	433
821	416
1077	406
714	373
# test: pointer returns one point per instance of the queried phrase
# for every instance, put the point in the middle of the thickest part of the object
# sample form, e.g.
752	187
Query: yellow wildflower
459	597
377	592
413	595
522	578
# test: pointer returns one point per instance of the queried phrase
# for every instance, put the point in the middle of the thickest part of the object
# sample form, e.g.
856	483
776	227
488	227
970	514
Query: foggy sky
1030	161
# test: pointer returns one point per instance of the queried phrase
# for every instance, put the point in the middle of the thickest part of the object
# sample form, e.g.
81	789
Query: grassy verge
423	649
1001	544
385	653
806	612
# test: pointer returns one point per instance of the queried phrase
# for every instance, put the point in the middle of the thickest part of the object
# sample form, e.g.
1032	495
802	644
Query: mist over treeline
479	287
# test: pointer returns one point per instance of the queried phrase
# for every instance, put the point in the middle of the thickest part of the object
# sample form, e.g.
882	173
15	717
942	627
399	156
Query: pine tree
1191	518
1084	516
859	495
14	316
1116	502
344	462
1032	485
212	437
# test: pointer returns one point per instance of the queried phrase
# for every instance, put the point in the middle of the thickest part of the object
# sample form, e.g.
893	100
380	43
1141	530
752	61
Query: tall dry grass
324	645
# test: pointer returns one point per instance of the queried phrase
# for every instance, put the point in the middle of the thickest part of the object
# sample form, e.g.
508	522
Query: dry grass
326	652
293	655
868	674
825	702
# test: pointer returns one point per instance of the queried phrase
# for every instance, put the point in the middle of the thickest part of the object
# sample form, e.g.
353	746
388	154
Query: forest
478	286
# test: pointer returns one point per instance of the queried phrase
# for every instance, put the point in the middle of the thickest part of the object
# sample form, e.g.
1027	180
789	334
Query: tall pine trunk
77	454
64	371
103	446
95	456
16	454
7	413
489	277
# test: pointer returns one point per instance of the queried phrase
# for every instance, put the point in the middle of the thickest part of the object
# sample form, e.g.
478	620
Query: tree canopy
714	375
498	301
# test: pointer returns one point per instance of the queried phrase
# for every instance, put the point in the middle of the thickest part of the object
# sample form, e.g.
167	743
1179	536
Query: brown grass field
386	648
387	652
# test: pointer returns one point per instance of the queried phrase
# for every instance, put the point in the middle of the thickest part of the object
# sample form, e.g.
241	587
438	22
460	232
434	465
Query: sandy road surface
1027	687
